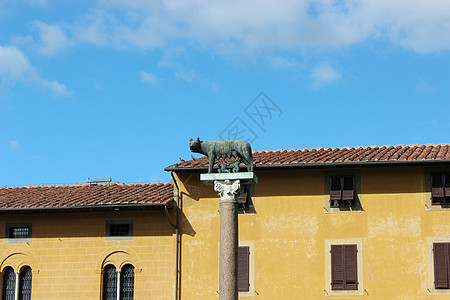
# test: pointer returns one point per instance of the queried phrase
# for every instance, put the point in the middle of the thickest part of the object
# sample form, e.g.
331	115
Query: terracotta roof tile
85	196
326	156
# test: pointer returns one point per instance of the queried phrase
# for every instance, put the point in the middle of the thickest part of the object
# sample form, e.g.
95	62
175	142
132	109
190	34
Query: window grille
18	232
127	283
9	284
109	283
119	229
25	278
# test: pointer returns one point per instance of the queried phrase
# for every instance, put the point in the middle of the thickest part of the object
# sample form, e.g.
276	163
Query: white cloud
187	76
422	87
52	39
324	73
256	26
57	88
15	66
13	63
284	63
148	77
14	145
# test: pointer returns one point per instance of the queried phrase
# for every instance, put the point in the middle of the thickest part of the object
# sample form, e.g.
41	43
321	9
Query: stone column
228	191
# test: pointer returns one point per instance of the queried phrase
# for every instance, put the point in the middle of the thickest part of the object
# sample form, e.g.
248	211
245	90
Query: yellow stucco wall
68	251
290	229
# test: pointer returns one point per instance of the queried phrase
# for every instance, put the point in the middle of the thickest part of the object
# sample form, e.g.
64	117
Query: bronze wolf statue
222	149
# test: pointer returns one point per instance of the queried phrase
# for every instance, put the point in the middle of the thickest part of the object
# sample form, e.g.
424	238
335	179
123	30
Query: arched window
109	283
25	278
122	288
10	278
127	283
9	284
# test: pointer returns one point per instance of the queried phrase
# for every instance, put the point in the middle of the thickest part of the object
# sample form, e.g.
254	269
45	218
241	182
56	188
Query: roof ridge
352	147
84	184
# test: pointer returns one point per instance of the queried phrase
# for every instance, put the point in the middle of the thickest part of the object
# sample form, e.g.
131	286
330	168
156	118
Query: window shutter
351	273
337	267
437	187
441	265
335	191
446	185
348	187
242	199
243	269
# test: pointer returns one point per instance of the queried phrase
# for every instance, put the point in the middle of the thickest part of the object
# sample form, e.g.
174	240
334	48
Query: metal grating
127	283
25	279
18	232
109	283
9	284
119	229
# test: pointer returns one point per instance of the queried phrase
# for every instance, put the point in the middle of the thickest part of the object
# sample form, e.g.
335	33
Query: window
119	229
243	269
342	191
246	269
440	188
118	287
9	284
344	267
18	232
344	275
441	263
11	278
245	203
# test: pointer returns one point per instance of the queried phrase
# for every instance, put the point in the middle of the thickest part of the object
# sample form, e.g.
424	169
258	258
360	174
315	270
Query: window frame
357	207
18	283
431	271
129	236
10	225
359	270
427	191
118	281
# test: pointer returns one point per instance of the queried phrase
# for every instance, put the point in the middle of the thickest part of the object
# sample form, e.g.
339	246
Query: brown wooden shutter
351	273
344	271
337	267
243	269
437	186
335	189
348	187
441	253
242	199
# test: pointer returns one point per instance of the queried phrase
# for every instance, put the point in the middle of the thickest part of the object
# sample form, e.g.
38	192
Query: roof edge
324	164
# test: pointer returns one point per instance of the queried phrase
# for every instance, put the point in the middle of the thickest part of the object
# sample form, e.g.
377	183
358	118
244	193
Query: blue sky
117	88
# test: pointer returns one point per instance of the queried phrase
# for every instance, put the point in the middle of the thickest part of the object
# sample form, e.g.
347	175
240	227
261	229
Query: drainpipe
177	233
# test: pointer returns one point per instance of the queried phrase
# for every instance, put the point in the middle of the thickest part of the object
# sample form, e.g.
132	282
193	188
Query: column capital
228	190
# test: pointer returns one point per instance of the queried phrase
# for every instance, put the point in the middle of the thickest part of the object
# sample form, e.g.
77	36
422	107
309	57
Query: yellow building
368	222
97	241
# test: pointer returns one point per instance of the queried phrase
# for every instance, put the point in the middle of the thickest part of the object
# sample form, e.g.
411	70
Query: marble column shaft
228	192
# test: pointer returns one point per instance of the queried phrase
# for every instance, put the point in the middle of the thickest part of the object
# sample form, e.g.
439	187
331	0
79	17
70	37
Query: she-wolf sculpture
224	149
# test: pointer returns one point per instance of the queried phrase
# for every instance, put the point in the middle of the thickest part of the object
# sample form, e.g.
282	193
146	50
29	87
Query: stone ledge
244	177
